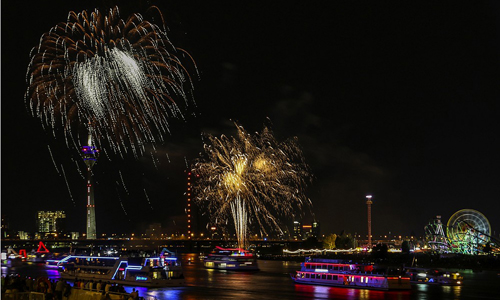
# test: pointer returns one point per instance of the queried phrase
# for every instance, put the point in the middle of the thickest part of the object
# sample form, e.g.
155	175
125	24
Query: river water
273	282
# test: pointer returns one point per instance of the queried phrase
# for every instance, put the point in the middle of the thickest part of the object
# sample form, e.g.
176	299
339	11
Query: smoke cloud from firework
120	76
251	178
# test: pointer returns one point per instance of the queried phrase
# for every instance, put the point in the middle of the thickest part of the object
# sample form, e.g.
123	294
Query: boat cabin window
159	274
335	277
336	268
329	277
323	276
330	267
308	275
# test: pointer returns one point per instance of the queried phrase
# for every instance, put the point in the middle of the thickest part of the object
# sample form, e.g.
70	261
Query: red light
189	173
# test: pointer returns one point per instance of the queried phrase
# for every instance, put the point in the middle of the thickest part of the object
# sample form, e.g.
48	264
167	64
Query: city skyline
402	106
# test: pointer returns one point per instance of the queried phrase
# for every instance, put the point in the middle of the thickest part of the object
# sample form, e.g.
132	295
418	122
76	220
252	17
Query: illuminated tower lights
188	210
369	204
90	154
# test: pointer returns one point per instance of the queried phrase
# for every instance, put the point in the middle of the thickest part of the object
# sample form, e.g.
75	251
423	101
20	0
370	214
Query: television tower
369	204
90	154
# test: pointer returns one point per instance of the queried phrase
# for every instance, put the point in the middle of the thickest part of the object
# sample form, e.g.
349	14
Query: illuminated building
369	204
307	231
315	230
51	221
23	235
297	230
90	154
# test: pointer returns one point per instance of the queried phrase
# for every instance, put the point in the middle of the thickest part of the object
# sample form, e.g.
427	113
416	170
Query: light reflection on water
273	282
325	292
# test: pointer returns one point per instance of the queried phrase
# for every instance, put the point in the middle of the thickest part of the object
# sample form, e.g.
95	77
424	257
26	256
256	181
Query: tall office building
51	221
297	230
315	230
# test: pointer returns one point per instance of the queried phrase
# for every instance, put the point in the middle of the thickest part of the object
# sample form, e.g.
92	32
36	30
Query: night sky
398	100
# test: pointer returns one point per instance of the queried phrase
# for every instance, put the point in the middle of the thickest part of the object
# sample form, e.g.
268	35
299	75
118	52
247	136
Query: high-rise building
315	230
51	221
309	231
90	154
297	230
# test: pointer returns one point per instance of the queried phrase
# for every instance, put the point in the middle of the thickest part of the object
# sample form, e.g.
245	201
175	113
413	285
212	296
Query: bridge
179	246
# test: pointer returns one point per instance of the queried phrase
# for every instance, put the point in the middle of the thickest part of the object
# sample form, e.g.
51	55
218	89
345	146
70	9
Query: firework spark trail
240	217
251	178
154	161
147	198
168	157
123	182
53	161
120	199
120	76
67	185
78	168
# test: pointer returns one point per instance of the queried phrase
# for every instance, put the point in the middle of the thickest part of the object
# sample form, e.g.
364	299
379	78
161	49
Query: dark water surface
273	282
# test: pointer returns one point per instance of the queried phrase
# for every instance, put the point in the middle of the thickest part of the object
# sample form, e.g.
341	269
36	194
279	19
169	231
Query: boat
233	259
339	273
434	276
162	271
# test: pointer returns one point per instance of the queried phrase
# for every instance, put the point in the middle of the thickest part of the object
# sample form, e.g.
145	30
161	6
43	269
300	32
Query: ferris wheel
468	230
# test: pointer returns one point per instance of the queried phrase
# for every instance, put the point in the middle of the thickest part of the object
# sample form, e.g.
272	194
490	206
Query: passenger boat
234	259
338	273
162	271
434	276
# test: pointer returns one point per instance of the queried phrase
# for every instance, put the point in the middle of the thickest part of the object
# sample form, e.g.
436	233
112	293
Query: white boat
233	259
333	272
434	276
162	271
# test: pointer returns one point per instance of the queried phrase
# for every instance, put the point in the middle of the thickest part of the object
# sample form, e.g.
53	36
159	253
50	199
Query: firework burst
251	178
118	75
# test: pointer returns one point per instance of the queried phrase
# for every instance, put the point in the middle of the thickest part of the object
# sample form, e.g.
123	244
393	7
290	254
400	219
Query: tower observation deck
90	155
